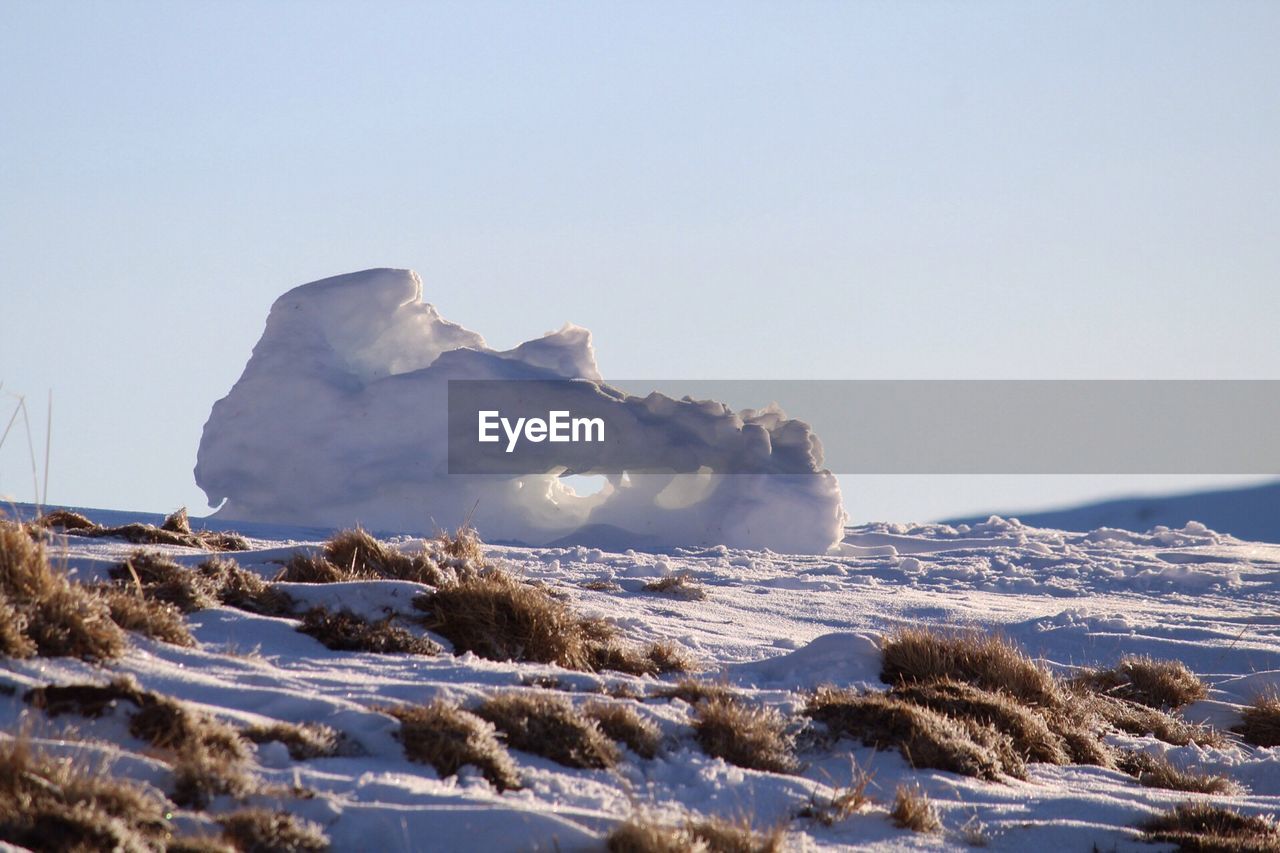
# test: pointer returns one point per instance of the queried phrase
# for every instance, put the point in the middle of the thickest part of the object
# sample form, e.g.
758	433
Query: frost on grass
303	740
1260	721
1157	771
209	755
1203	826
497	616
448	738
743	734
54	804
267	830
549	726
1163	684
678	585
925	738
912	810
217	581
45	613
621	721
645	834
176	530
353	554
347	632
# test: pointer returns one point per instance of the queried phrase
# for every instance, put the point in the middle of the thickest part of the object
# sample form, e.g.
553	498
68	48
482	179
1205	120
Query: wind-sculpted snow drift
341	417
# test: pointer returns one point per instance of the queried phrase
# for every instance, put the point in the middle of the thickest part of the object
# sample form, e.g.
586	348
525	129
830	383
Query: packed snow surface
773	626
341	415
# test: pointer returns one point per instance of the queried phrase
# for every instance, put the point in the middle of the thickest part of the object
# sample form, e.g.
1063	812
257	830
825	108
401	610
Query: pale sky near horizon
718	190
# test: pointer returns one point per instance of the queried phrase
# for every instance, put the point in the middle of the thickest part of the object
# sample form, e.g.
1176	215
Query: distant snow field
769	627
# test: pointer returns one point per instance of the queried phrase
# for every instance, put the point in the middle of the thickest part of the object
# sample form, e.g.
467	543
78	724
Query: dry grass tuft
1164	684
160	720
161	579
602	586
744	735
238	587
354	555
846	801
549	726
679	585
497	616
43	611
623	723
463	547
728	835
447	737
1138	719
53	804
1201	826
1157	771
912	810
644	834
149	617
1260	722
346	632
990	662
176	530
925	738
304	740
693	691
1032	737
266	831
200	774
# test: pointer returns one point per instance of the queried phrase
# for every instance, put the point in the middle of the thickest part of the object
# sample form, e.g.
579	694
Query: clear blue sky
729	190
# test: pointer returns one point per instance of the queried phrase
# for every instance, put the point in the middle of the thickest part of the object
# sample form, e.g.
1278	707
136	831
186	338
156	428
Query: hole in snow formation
584	485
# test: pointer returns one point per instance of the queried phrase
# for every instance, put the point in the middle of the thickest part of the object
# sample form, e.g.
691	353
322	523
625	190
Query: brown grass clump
846	801
238	587
728	835
912	810
990	662
175	530
925	738
304	740
1164	684
266	831
56	617
1157	771
344	631
621	722
549	726
1260	722
744	735
161	579
1205	827
352	555
693	691
1142	720
680	585
602	586
643	834
53	804
200	774
447	737
149	617
463	546
498	617
1032	737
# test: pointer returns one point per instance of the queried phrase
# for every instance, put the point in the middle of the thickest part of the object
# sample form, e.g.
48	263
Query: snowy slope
773	625
1250	513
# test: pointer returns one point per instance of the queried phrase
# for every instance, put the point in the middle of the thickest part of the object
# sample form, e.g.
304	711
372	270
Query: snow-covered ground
774	626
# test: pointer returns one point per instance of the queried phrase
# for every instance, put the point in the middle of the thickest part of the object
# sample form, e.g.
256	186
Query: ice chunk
340	418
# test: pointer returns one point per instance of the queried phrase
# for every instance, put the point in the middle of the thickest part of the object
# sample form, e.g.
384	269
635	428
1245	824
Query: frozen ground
773	625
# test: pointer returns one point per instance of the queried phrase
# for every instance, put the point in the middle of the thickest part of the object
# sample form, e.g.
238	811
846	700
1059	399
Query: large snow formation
340	418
